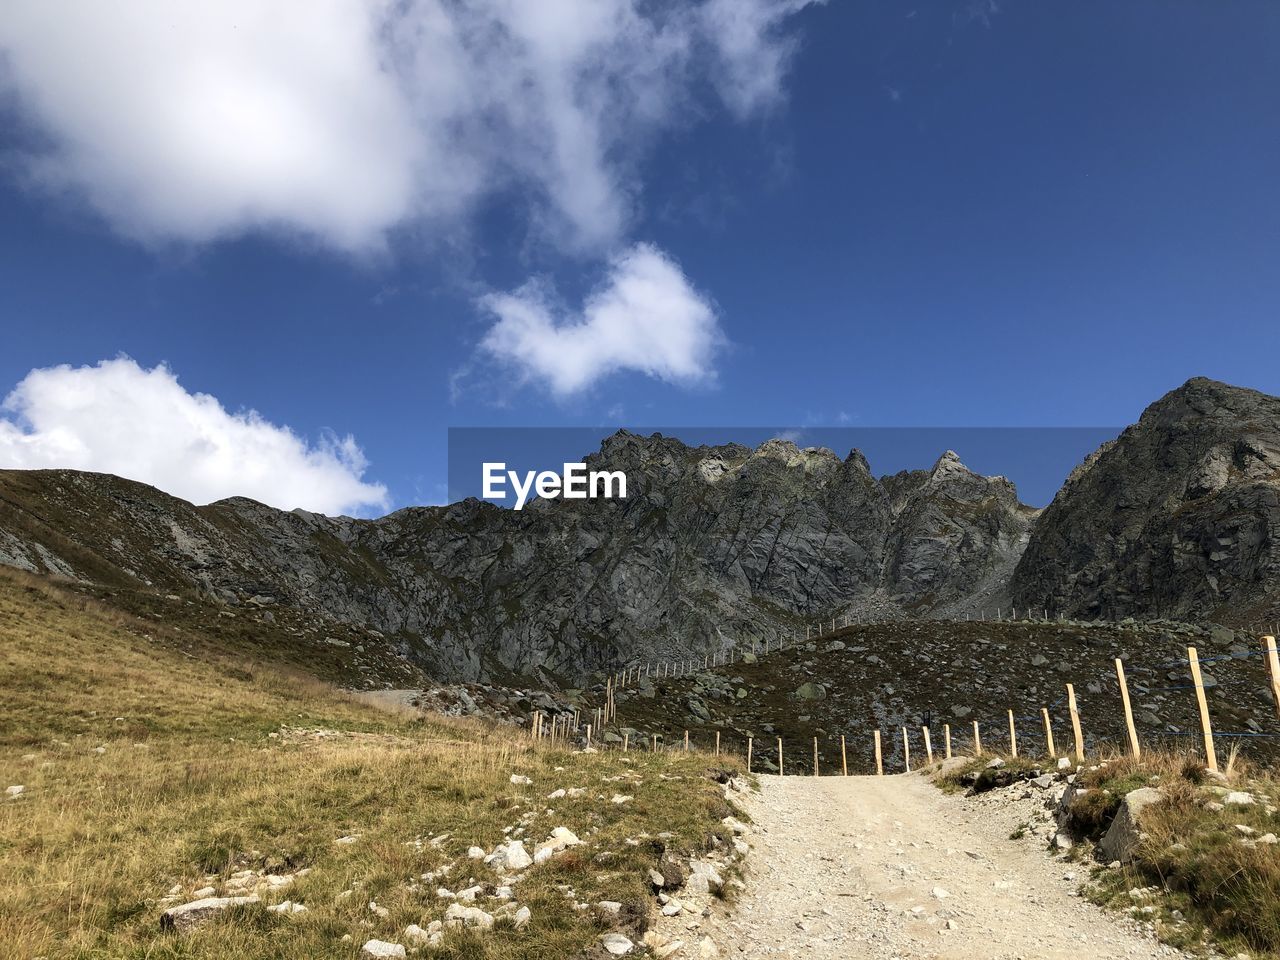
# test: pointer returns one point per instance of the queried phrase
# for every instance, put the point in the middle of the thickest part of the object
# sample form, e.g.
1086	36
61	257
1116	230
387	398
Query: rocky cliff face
1178	517
713	547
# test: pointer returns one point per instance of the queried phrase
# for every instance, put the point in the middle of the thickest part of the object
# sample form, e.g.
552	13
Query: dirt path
889	867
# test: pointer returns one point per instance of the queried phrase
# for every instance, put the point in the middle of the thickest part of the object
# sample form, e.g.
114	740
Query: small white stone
522	917
565	836
616	944
15	791
520	781
517	857
381	948
458	915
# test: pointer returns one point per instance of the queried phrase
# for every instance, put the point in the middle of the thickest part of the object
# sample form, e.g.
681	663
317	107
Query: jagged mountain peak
1178	516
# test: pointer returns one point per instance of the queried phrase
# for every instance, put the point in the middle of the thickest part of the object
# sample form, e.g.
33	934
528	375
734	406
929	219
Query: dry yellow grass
1224	885
189	786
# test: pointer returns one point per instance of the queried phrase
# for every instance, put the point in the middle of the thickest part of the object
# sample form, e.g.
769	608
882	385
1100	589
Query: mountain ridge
716	548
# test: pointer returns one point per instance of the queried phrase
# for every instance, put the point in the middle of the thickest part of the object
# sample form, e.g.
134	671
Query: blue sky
862	214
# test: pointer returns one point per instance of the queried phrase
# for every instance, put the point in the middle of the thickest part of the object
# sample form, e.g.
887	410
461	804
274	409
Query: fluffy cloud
142	424
645	316
340	120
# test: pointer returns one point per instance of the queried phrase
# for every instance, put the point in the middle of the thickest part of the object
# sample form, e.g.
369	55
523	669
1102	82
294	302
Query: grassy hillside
158	758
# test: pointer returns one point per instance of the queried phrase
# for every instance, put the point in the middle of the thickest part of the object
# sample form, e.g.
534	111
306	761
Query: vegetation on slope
934	673
1206	864
156	764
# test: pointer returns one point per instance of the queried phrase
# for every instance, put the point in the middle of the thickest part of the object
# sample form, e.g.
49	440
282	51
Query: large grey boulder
1125	830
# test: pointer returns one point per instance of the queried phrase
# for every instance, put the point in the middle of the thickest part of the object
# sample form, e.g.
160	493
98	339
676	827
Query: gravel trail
890	867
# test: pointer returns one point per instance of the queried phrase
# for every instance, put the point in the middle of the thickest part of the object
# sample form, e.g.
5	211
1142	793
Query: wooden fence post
977	740
749	745
879	759
946	735
1048	732
655	743
717	743
815	756
588	734
1210	757
844	757
1273	664
1128	711
1013	737
1075	722
928	747
906	750
686	741
625	739
779	756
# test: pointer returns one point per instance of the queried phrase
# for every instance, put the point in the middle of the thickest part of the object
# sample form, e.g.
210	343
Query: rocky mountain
1178	517
714	548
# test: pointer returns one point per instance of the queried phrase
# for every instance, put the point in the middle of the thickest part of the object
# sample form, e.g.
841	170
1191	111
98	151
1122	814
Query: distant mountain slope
714	546
1178	517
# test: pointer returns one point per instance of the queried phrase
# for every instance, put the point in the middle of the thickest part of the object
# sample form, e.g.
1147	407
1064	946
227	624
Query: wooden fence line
557	726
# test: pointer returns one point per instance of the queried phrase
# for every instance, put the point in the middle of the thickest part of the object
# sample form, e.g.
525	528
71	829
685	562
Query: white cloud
119	418
645	316
340	120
